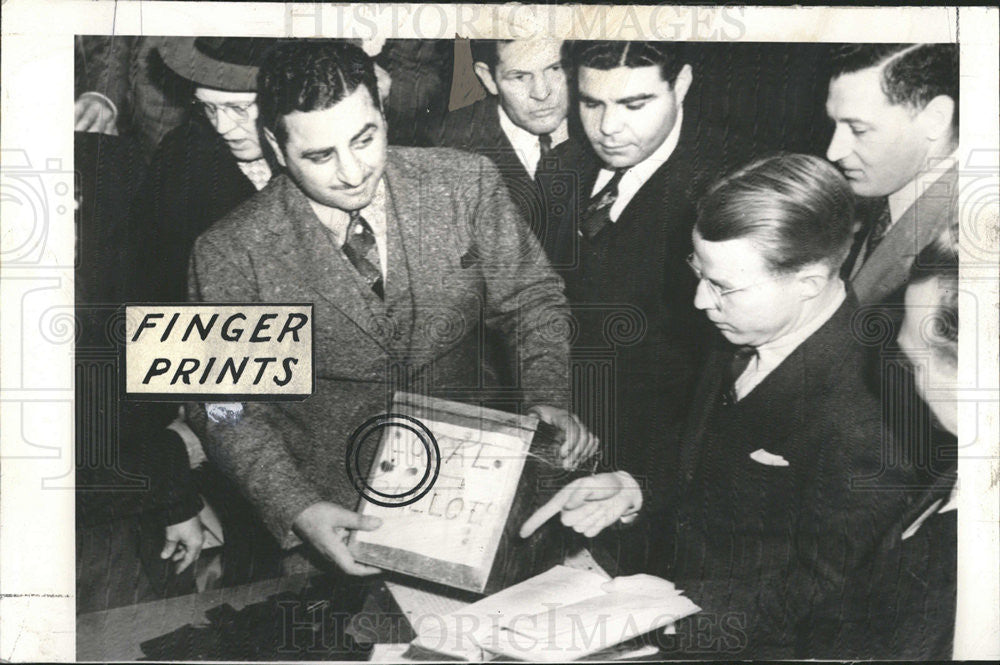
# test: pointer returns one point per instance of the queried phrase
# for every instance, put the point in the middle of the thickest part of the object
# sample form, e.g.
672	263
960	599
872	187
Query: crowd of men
749	439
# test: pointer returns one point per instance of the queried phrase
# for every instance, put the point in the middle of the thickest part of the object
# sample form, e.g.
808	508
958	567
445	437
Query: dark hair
912	74
605	55
487	51
310	75
939	260
798	208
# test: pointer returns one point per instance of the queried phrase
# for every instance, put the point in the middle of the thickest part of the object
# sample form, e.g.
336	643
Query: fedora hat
223	63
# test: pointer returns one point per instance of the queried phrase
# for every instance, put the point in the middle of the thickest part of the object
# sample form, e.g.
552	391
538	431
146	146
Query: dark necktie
361	250
879	229
597	216
741	359
544	148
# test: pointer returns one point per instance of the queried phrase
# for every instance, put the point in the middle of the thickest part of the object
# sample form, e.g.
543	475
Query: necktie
741	359
544	148
362	252
597	216
879	228
258	172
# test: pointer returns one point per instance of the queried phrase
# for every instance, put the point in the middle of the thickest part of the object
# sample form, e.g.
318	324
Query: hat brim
181	55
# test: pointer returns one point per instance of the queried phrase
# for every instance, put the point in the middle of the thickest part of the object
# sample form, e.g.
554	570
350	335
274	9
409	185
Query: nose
611	122
702	297
223	123
540	88
350	170
840	144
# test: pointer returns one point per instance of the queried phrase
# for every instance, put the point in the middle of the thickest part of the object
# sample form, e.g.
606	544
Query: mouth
613	148
351	191
544	113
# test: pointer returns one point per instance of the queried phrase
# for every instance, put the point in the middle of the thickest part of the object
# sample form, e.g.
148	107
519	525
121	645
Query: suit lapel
308	252
889	265
402	234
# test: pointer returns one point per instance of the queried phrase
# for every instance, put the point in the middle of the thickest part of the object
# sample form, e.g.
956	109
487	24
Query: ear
812	279
683	82
485	77
936	117
275	148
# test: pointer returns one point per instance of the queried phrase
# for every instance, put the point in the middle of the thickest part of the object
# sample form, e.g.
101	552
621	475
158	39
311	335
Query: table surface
116	634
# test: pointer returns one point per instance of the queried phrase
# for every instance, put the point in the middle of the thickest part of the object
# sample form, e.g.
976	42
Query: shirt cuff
105	99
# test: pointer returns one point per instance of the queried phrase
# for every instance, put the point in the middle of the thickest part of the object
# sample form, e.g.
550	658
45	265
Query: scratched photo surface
422	332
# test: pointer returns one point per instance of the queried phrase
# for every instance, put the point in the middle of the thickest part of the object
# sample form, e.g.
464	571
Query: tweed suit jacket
457	254
884	275
775	544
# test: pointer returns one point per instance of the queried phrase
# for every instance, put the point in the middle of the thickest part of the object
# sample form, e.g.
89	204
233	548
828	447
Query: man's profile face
936	375
336	155
764	308
530	83
234	116
627	113
879	146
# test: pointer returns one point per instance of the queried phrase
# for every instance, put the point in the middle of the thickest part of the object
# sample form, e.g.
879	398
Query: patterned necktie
544	148
597	216
739	363
879	229
362	252
258	172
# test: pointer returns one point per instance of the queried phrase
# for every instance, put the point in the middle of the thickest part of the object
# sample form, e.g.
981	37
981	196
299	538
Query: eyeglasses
236	112
715	290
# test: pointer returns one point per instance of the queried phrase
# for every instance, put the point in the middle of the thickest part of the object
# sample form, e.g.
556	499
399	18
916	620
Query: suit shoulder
469	126
247	220
442	163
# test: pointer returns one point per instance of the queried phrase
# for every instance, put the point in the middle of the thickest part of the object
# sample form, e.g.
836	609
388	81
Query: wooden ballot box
452	484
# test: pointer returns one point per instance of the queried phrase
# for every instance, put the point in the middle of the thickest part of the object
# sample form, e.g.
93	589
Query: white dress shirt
374	213
636	176
772	354
900	201
525	144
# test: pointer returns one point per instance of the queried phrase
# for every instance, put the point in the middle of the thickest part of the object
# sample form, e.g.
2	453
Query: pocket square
770	459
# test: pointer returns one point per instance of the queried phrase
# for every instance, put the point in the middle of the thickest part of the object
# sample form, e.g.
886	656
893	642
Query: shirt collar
636	176
771	354
525	143
901	200
336	220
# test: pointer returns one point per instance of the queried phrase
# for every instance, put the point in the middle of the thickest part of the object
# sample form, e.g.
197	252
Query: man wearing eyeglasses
621	249
207	166
780	494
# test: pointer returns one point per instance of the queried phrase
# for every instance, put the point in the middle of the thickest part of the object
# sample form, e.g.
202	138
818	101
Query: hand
590	504
94	113
579	444
183	543
325	526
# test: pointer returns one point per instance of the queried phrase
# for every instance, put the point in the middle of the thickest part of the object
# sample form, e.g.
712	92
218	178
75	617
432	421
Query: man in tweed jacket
445	252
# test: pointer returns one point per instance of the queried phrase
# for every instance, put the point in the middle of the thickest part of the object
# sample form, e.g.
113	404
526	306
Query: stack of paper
562	614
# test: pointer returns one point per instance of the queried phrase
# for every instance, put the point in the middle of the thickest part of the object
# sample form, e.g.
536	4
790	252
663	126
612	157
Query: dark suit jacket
639	338
883	277
476	128
774	553
457	253
193	182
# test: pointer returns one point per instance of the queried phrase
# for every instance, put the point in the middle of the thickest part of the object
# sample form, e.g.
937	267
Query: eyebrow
635	98
369	126
321	152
